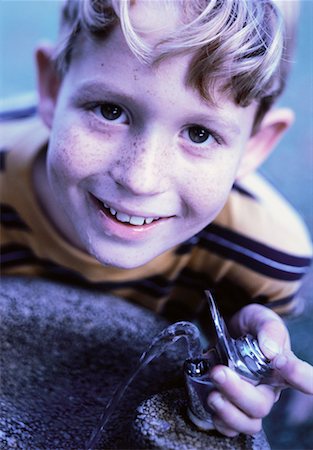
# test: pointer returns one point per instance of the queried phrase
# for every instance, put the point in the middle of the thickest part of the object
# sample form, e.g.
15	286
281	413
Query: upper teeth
133	220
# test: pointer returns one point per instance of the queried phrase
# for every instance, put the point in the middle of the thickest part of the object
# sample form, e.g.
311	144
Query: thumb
297	373
266	325
273	338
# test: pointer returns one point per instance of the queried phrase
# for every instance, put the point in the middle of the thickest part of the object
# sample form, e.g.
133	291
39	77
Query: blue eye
111	112
199	135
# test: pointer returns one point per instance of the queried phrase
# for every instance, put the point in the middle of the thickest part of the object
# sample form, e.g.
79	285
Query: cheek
73	155
207	188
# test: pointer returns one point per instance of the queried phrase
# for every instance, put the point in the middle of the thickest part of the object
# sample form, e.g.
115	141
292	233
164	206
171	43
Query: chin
127	261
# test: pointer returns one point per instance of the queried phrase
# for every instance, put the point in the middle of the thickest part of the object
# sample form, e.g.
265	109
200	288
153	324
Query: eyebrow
228	124
100	88
219	121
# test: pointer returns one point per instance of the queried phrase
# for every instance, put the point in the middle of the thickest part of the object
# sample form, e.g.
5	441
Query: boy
157	115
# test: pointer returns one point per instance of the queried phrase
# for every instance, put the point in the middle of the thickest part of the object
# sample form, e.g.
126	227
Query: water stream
160	343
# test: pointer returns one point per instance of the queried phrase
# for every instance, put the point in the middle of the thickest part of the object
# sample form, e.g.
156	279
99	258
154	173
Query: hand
238	406
296	373
273	338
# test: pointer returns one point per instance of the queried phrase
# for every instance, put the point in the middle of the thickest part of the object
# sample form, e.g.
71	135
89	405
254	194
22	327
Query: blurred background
24	23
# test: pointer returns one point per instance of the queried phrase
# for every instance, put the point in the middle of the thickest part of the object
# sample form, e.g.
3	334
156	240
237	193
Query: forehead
111	57
107	67
158	30
105	53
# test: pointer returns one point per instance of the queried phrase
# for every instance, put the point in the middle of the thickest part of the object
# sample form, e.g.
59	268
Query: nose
142	167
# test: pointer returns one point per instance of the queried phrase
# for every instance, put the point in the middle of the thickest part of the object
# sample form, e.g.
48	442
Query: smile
126	218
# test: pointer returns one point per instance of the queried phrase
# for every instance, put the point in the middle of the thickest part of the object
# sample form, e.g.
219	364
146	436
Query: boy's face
132	143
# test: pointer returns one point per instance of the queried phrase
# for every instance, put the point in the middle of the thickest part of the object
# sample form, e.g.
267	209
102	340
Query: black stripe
20	113
184	248
187	246
19	255
236	187
254	264
252	254
155	286
281	302
271	304
11	219
254	246
3	156
193	279
15	254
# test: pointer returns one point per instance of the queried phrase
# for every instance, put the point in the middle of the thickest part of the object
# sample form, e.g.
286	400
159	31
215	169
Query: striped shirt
256	250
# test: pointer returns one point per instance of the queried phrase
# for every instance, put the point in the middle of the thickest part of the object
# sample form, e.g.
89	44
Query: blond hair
241	46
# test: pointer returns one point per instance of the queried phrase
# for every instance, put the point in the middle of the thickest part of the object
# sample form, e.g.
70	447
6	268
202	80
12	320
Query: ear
260	145
48	83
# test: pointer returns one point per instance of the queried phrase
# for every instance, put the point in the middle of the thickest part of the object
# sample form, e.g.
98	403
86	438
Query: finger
266	325
254	401
273	338
251	317
230	418
297	373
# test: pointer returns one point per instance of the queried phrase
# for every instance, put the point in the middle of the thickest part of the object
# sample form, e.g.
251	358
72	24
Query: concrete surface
63	352
161	424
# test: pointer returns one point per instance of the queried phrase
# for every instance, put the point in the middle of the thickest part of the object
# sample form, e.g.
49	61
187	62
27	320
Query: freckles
131	161
64	160
131	153
84	150
60	164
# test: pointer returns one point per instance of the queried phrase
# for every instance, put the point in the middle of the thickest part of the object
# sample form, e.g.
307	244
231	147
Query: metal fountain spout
243	355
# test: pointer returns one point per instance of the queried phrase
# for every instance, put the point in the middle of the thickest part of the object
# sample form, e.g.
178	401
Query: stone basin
64	351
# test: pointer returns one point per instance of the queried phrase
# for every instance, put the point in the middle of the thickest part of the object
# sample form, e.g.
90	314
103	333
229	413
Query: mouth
121	217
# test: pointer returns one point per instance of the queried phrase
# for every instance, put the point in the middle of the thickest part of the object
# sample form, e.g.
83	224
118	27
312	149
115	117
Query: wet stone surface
64	351
162	423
